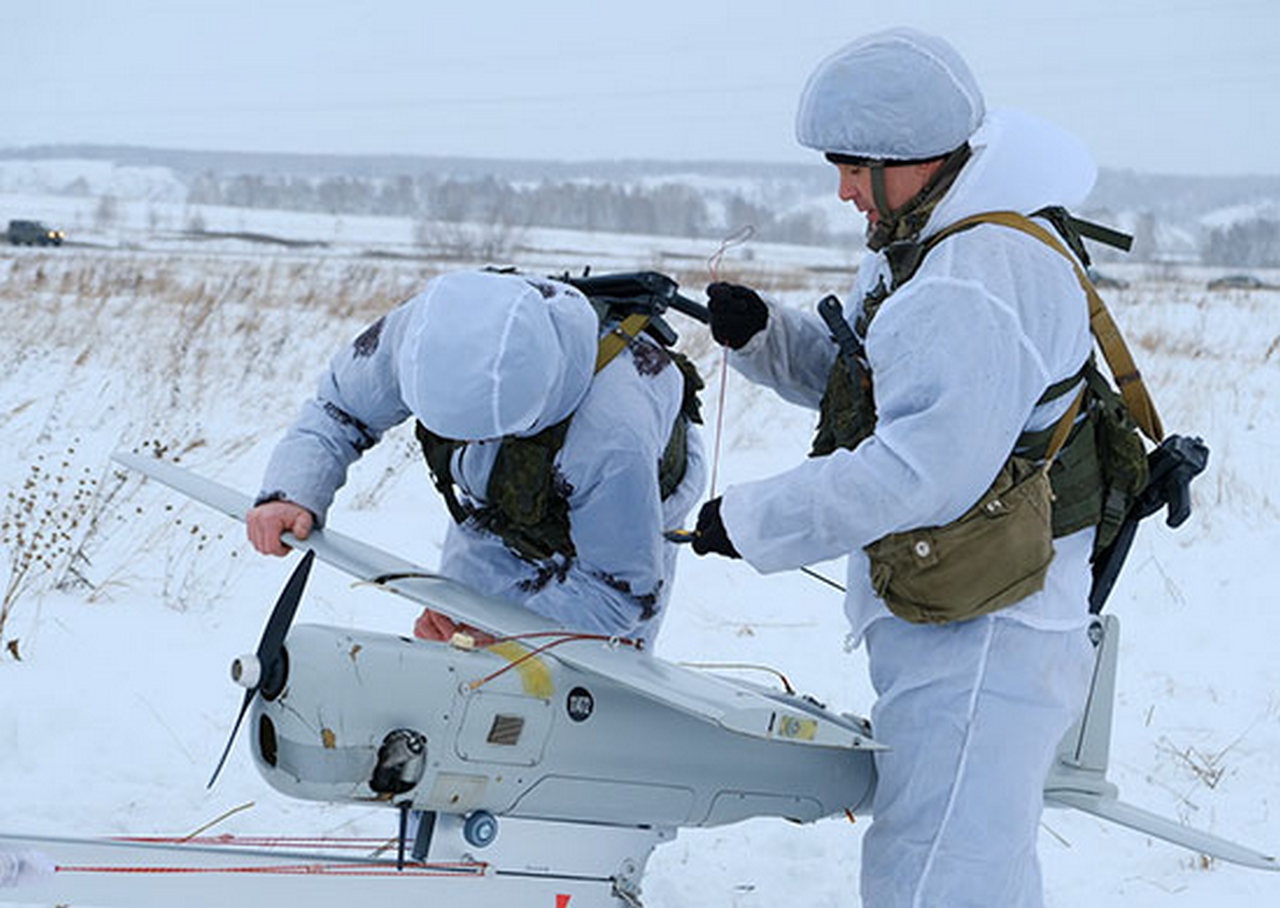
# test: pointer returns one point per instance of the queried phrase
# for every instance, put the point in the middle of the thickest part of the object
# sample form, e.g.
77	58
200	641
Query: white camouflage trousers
973	713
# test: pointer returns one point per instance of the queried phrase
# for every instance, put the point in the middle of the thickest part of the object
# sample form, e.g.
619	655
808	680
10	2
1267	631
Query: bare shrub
195	221
49	524
106	213
458	241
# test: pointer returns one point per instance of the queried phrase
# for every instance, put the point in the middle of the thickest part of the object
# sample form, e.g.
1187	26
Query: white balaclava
896	95
486	355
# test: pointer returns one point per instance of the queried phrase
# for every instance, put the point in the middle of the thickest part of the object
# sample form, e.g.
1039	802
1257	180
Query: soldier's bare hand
433	625
266	522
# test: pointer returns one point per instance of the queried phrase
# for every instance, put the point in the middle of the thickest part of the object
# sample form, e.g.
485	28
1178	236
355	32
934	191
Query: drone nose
267	669
246	671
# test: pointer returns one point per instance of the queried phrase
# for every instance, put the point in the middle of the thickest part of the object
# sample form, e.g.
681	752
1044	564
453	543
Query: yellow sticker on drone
796	728
534	674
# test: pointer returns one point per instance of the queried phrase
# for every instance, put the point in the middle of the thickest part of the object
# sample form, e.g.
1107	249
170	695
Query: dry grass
135	345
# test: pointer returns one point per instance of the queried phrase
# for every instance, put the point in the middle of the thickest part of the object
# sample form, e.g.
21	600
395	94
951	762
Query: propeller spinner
264	672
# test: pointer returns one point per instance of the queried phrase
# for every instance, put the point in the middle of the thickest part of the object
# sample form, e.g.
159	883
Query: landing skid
527	863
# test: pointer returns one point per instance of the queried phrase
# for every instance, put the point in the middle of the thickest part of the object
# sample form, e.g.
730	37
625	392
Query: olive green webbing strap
1101	234
879	194
1054	437
438	452
1114	349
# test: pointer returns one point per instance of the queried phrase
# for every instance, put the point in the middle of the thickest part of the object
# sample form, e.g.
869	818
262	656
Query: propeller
264	672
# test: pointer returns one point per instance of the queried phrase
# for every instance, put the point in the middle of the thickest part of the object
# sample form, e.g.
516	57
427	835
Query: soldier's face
901	182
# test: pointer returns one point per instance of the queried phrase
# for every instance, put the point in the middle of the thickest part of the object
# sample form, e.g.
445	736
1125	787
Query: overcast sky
1168	86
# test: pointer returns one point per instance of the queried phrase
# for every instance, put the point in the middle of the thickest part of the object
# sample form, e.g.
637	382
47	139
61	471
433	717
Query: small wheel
480	829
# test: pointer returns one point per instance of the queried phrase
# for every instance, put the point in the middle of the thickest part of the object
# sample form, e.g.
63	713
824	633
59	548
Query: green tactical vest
1102	465
526	501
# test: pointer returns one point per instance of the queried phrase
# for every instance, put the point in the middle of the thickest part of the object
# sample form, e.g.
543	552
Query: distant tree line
663	209
655	207
1244	244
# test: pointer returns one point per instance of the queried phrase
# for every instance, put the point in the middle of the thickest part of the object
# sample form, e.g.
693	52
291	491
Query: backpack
526	501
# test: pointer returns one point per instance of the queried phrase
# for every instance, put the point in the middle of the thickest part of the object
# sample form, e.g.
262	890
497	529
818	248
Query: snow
115	702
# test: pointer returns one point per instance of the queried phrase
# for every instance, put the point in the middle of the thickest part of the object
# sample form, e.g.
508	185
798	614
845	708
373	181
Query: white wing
745	709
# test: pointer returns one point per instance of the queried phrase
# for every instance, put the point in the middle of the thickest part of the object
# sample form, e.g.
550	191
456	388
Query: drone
541	767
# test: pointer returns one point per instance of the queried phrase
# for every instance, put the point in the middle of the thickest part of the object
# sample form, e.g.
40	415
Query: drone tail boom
1079	775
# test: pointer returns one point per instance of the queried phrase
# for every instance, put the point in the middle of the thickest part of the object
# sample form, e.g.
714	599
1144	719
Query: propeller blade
270	652
286	608
226	751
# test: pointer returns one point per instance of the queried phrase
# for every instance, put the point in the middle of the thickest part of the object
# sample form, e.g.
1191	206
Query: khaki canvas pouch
993	555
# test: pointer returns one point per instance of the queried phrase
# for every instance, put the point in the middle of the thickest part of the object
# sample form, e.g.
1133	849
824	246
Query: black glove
710	534
737	313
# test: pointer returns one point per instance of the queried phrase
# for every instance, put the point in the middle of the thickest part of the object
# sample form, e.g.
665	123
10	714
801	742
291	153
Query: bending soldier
560	478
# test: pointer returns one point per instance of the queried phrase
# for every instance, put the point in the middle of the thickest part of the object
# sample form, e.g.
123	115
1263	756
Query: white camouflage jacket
619	429
959	354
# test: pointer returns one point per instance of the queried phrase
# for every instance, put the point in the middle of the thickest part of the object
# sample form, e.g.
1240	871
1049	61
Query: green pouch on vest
993	555
847	414
524	506
1122	460
1077	484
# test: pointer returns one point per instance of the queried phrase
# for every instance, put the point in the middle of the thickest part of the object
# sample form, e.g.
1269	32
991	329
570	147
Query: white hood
485	355
1020	163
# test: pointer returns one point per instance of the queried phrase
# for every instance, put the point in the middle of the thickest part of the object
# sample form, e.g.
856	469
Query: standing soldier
964	383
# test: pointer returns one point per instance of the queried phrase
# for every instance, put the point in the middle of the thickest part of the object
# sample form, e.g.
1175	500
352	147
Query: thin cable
827	580
745	666
738	237
563	638
455	869
216	820
724	383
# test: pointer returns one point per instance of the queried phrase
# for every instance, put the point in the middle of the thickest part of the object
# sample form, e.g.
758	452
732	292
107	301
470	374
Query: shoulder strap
1062	430
439	455
1044	444
1114	349
1072	228
617	338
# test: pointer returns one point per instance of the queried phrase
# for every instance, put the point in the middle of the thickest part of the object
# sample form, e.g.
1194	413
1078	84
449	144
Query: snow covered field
114	703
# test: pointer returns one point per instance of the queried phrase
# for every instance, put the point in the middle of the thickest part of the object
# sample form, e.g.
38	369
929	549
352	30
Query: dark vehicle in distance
1236	282
34	233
